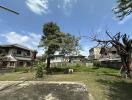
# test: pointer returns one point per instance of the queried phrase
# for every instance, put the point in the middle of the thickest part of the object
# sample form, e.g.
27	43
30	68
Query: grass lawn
103	83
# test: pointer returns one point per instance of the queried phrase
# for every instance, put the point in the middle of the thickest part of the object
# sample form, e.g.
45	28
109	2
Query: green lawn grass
102	83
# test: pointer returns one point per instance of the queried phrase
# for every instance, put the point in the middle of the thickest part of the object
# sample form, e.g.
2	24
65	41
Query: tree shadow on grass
118	90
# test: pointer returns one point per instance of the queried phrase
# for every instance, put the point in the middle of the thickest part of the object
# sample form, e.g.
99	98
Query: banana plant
5	8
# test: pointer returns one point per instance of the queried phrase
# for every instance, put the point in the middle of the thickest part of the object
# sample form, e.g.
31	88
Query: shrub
39	69
78	65
97	63
39	72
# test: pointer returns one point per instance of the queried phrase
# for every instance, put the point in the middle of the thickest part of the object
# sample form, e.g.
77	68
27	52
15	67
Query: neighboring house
16	55
97	53
94	53
76	58
107	56
111	54
62	58
57	58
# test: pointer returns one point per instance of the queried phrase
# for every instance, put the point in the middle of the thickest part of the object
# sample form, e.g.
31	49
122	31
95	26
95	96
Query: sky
78	17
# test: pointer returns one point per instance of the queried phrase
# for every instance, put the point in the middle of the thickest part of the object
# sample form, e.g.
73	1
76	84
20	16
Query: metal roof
16	45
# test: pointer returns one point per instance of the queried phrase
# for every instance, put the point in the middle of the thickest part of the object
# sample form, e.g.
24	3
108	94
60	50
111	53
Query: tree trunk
48	63
127	66
48	69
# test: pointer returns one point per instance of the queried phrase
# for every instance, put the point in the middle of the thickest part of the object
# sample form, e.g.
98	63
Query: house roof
16	45
76	56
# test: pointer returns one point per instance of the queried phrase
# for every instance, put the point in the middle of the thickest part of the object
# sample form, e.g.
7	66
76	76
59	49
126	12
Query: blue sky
78	17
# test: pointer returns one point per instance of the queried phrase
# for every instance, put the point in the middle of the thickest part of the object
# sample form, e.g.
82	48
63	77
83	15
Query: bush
97	63
39	70
22	69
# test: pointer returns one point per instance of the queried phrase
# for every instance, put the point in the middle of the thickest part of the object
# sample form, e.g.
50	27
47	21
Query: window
28	53
113	52
21	63
12	63
19	52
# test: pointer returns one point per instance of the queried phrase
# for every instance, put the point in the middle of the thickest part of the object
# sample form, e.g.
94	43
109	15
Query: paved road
40	90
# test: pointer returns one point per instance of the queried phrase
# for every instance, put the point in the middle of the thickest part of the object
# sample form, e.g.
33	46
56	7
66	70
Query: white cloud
38	6
43	6
40	51
31	40
84	51
67	6
35	38
13	37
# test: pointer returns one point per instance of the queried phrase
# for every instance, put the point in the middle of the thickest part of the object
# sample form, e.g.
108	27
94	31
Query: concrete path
40	90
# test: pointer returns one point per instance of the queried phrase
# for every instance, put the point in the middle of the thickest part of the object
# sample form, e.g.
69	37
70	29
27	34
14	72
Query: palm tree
2	7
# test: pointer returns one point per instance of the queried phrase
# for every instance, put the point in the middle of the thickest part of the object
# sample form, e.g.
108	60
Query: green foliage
70	44
40	63
54	40
22	69
123	9
79	68
40	70
97	63
50	38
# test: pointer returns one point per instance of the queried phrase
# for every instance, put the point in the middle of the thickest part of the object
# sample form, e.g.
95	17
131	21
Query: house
60	58
110	54
100	53
94	53
107	56
76	58
57	58
16	55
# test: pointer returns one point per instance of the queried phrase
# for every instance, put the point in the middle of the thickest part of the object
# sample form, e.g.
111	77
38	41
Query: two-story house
94	53
60	58
97	53
16	56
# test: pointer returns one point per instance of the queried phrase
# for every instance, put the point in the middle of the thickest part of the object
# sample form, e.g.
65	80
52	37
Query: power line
9	10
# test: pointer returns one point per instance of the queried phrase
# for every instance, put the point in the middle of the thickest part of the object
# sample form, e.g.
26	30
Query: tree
70	44
2	7
2	56
54	40
123	8
51	40
123	44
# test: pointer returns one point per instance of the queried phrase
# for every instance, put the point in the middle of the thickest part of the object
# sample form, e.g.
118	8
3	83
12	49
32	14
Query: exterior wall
94	53
24	63
57	60
24	53
111	64
97	53
11	55
11	64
